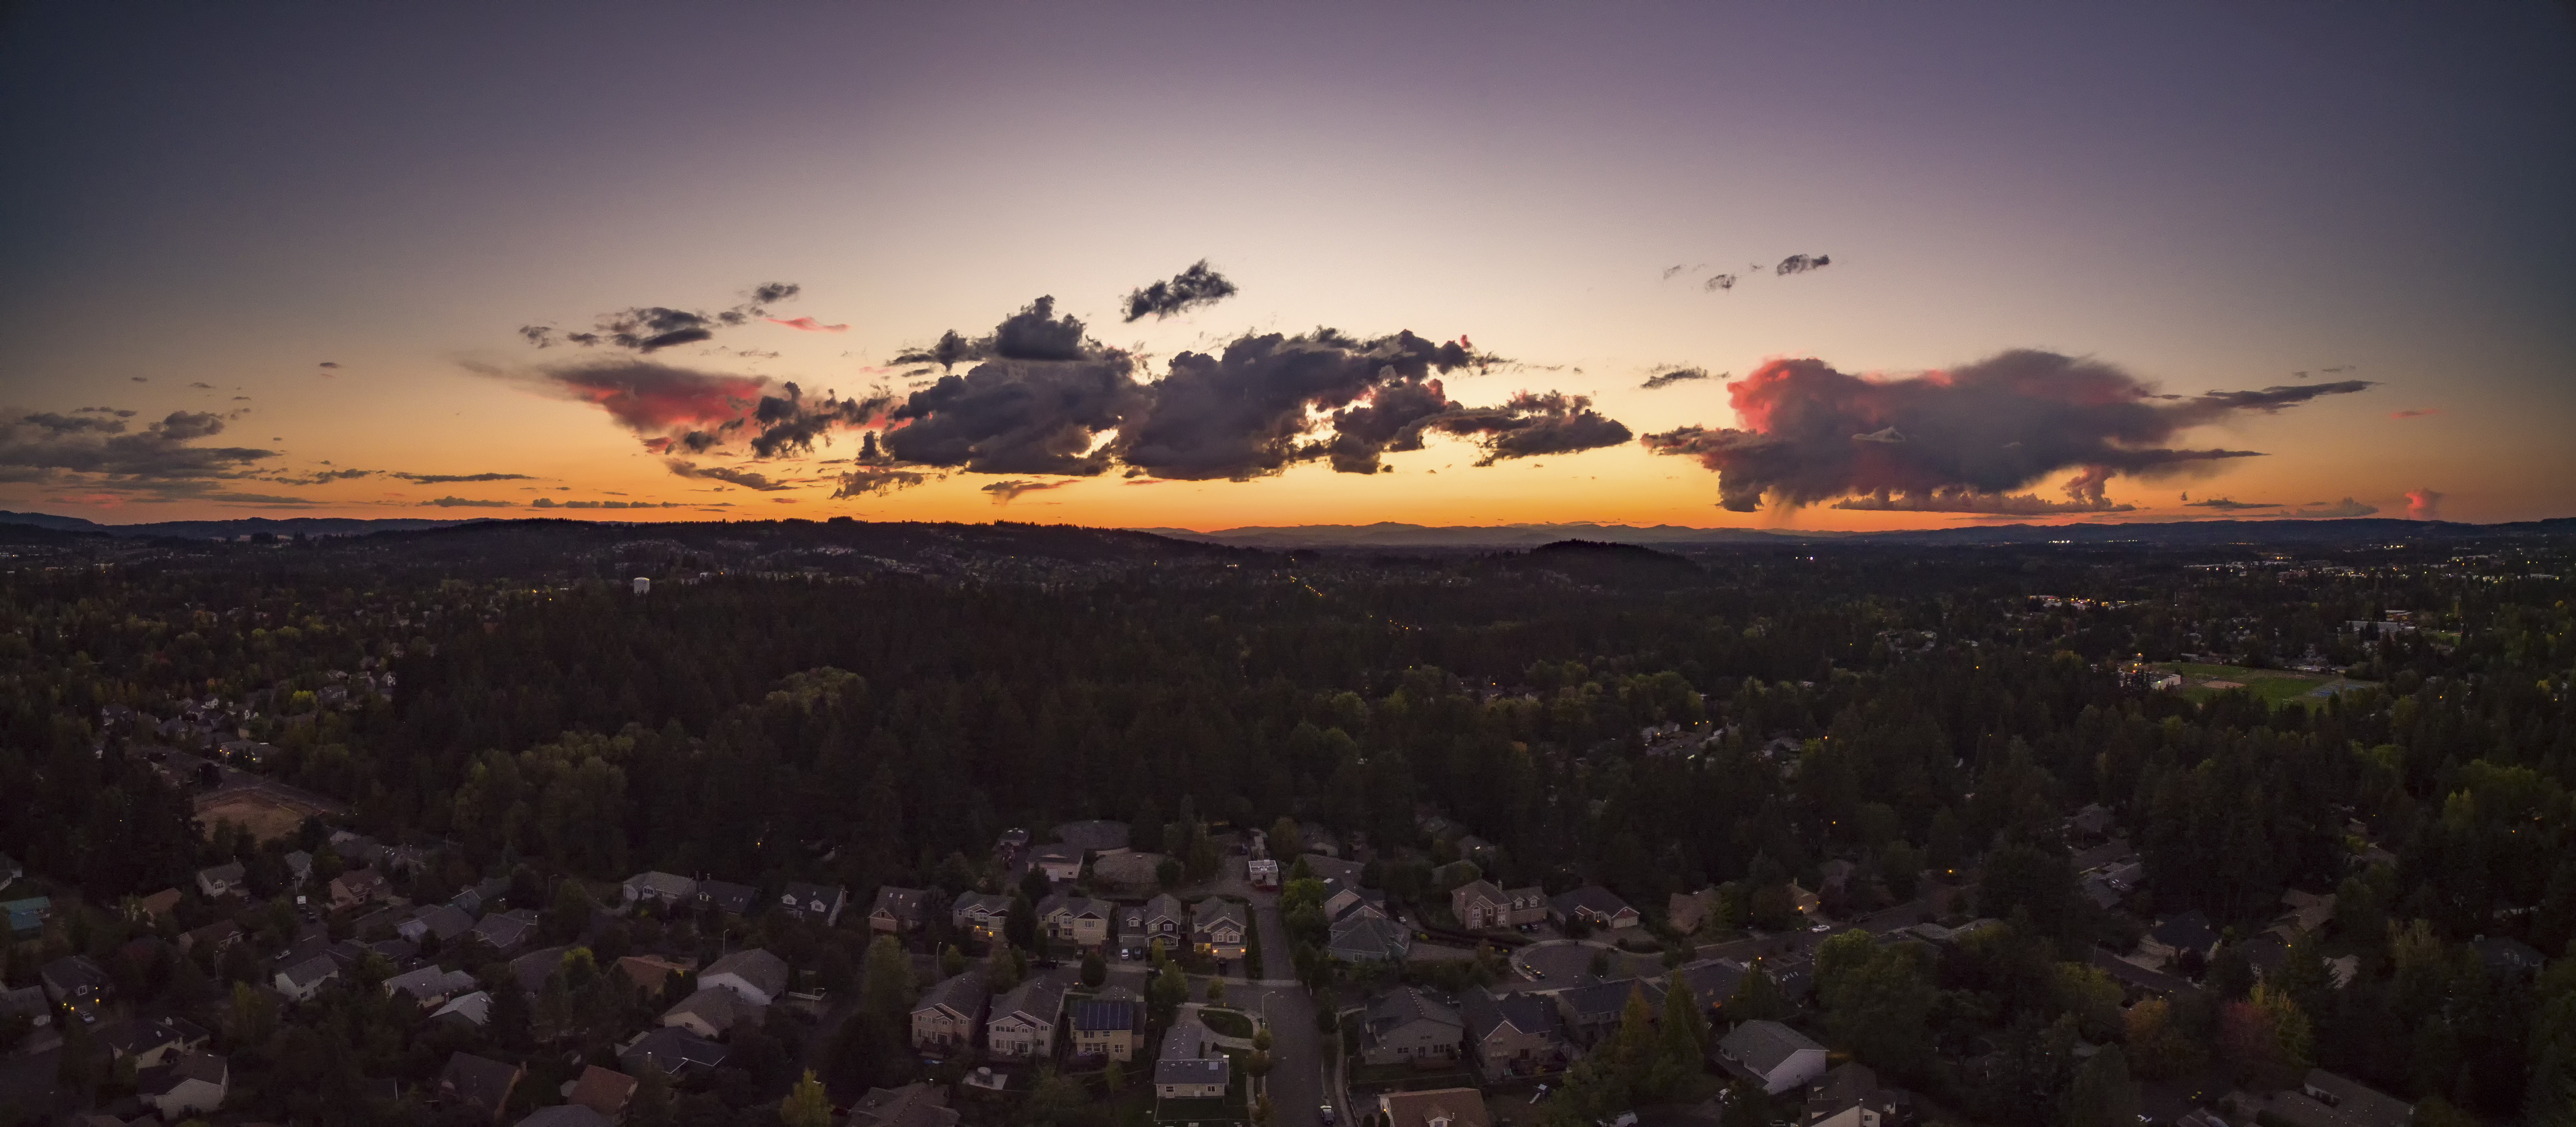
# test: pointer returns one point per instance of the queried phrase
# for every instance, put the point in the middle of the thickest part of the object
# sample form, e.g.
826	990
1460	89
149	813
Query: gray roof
764	972
913	1105
1591	897
474	1008
1185	1040
1406	1005
1094	836
1040	998
1764	1045
673	1050
659	883
1370	938
964	993
480	1081
430	982
2189	931
1215	908
1485	1012
446	921
505	930
904	905
312	970
1207	1070
727	896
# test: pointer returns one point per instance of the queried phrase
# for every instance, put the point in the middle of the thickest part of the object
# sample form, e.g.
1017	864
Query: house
758	976
155	907
813	903
221	935
1807	903
299	983
192	1085
2175	936
2326	1099
474	1009
567	1115
480	1083
712	1012
1771	1054
1023	1021
355	887
603	1090
1409	1026
1513	1034
1217	927
531	970
27	1002
913	1105
1188	1068
221	881
1106	1028
2093	821
299	867
150	1044
1593	1011
1094	836
950	1012
1060	862
506	931
1161	918
1438	1107
899	910
1690	911
669	890
725	896
980	914
446	921
75	981
2507	957
1342	900
430	986
649	974
1849	1096
677	1052
1263	872
10	870
1079	920
481	897
1364	937
1595	906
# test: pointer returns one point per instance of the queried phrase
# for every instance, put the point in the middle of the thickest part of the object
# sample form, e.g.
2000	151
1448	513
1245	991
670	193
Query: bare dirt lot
267	816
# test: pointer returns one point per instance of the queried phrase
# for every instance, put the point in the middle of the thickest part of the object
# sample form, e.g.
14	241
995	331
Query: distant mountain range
1390	536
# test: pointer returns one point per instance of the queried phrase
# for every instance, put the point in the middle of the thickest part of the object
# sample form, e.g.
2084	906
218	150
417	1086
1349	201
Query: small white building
1771	1054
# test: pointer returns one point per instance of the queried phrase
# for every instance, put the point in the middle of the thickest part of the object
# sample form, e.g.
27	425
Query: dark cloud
790	424
44	446
443	478
2416	413
2223	504
876	480
1037	403
1676	375
2346	508
2274	398
118	412
1718	282
329	364
651	328
202	386
1800	264
1194	288
1812	434
551	503
744	478
1247	412
1005	492
468	503
1531	424
1971	501
2424	504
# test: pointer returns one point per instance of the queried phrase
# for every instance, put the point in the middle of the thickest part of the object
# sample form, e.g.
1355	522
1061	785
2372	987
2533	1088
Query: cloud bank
1812	434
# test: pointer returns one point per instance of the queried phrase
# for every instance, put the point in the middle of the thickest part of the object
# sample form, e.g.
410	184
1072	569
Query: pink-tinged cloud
2423	504
2416	412
651	398
808	324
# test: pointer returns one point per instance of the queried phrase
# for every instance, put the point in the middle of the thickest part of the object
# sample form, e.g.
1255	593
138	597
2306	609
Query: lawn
2272	686
1227	1023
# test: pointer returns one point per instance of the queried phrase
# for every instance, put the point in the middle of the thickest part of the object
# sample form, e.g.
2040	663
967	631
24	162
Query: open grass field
2274	686
267	816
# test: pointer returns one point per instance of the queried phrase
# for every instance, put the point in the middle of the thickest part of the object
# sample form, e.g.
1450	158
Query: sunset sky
313	250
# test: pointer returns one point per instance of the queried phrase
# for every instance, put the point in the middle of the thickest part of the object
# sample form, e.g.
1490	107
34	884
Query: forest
780	712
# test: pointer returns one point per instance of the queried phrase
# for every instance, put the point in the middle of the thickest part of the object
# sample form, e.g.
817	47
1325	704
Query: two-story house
665	890
1023	1021
813	903
1513	1034
220	881
950	1012
1217	928
1593	905
899	910
980	914
1409	1026
1106	1027
1189	1069
1079	920
1480	904
757	976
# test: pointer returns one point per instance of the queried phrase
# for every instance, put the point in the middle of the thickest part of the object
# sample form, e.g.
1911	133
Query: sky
1913	266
